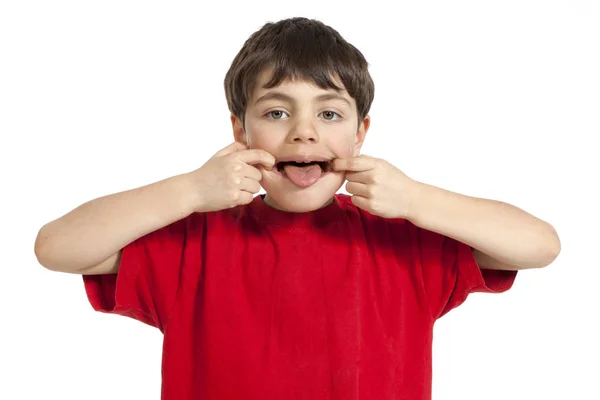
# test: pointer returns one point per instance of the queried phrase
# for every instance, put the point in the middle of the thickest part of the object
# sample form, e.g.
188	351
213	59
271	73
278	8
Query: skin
501	235
298	123
89	239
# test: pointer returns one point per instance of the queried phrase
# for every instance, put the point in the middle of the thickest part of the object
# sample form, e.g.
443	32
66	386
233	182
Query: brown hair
298	48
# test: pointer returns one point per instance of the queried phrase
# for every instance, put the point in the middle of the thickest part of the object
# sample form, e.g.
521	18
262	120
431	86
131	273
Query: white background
491	99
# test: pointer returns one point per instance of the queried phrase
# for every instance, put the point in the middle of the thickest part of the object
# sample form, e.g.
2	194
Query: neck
268	200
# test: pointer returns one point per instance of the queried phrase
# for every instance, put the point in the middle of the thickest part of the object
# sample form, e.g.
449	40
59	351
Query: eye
275	114
329	115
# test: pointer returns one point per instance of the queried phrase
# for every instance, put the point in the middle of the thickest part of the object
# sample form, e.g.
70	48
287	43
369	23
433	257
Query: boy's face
299	122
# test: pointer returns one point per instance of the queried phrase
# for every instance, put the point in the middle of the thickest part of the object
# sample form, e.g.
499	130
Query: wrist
415	200
191	200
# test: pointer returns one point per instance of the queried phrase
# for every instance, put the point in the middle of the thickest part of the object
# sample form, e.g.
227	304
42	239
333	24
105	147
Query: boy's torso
295	309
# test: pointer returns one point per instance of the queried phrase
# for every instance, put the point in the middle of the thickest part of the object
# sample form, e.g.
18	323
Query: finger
360	177
360	163
257	156
250	185
360	202
252	172
243	198
357	188
232	148
263	172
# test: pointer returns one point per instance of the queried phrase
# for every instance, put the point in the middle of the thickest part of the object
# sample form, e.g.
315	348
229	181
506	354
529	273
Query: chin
288	197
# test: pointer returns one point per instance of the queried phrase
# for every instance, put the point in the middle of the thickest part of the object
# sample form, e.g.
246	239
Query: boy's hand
377	186
229	178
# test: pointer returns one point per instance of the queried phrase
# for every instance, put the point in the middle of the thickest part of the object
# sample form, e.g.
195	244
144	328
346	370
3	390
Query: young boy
301	293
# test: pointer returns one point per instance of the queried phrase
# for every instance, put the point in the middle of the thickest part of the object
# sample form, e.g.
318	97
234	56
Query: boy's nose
304	132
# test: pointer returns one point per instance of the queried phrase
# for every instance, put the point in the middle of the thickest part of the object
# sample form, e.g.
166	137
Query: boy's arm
503	237
89	239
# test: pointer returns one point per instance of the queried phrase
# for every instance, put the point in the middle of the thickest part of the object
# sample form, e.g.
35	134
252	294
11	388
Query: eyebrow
274	95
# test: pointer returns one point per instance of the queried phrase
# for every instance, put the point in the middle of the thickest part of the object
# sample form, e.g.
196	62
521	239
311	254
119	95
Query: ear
239	135
361	134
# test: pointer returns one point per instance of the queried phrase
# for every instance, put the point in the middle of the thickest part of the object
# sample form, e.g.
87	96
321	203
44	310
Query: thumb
232	148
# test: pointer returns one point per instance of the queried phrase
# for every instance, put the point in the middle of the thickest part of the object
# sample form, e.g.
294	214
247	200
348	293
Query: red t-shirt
256	303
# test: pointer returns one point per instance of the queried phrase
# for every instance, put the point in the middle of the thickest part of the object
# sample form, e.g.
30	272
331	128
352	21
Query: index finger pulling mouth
257	156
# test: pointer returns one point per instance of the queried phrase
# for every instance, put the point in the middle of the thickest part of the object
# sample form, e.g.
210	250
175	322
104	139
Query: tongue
303	176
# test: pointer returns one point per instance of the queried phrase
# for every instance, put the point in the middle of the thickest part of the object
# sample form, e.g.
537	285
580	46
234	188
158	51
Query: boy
301	292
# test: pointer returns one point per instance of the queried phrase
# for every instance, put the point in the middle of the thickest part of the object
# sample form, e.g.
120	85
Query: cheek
262	135
258	142
343	141
261	140
344	148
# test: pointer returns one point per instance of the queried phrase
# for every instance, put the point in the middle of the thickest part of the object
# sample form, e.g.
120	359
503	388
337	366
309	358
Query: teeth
325	165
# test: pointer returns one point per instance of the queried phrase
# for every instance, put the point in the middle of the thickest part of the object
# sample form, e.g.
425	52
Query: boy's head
299	91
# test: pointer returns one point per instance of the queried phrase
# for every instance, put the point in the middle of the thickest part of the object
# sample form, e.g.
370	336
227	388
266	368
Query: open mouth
304	173
324	165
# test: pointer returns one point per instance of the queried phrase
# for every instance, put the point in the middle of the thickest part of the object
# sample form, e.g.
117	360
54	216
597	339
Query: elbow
54	255
551	249
553	253
40	249
554	246
548	259
40	246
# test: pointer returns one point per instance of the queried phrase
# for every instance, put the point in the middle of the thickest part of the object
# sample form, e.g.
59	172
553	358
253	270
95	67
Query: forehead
298	86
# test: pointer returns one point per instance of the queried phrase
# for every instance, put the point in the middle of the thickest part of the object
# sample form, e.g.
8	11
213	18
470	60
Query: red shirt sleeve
146	285
450	272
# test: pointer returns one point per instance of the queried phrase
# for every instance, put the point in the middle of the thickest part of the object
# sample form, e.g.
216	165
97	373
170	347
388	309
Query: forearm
96	230
500	230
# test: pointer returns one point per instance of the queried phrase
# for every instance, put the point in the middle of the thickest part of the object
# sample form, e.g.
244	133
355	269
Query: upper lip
304	158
